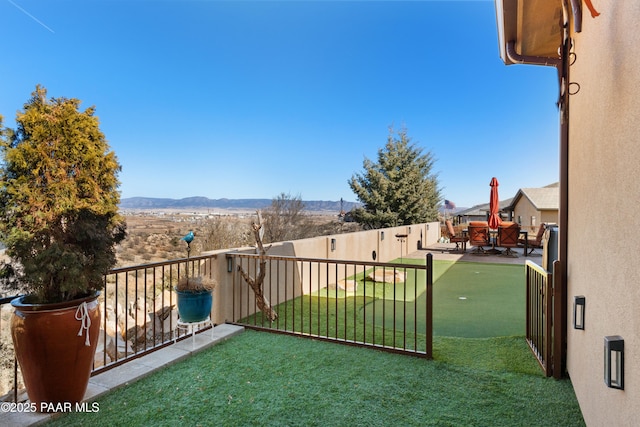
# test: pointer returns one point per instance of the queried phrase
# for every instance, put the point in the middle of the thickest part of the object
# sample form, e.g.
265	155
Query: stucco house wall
524	213
532	217
603	224
548	217
534	206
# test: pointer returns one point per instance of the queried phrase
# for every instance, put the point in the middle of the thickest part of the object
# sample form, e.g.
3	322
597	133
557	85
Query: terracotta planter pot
194	306
50	342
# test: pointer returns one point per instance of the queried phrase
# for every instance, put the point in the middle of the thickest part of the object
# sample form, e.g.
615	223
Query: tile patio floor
445	251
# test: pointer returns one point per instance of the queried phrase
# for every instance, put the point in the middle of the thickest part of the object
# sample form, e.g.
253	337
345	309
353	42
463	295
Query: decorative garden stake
188	238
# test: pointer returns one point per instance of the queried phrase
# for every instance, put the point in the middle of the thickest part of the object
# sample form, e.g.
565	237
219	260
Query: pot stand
191	328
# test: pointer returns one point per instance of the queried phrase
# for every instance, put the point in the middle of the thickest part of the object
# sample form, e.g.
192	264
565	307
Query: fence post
559	321
429	290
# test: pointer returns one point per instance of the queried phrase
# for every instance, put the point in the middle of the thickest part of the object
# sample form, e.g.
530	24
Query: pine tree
400	189
58	198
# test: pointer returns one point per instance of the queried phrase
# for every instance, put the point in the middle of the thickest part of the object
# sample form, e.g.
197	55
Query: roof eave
529	31
505	30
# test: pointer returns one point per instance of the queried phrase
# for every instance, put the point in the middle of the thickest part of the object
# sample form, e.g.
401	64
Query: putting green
470	300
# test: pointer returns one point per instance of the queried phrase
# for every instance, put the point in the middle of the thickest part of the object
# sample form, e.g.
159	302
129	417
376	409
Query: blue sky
250	99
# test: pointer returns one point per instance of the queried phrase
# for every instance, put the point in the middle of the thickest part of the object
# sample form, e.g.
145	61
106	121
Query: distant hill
234	204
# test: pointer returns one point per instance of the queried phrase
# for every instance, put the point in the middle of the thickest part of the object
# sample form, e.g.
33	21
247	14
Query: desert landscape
156	235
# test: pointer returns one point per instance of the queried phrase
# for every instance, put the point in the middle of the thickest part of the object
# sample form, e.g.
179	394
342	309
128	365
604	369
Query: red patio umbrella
494	205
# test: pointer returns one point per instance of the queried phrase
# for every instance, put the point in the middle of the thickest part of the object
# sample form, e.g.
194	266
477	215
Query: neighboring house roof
545	198
504	204
483	209
476	210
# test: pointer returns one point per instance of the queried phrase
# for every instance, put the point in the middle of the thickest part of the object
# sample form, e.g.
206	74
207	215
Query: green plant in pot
59	221
195	298
195	294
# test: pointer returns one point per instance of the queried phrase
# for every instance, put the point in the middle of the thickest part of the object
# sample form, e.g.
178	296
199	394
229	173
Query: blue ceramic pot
194	306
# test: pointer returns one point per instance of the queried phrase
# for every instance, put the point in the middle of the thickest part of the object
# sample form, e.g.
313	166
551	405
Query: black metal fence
384	305
9	364
539	303
138	315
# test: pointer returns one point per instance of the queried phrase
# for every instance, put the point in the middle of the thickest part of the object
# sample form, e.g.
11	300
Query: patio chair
479	236
536	242
508	234
460	241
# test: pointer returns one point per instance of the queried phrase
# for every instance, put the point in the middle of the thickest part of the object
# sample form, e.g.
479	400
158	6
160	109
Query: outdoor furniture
460	241
536	242
478	236
508	236
524	239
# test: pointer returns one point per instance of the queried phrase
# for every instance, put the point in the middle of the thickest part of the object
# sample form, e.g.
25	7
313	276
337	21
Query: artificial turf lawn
470	300
479	300
265	379
257	378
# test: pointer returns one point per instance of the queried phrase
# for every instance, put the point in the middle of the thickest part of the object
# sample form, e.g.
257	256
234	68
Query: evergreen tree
400	189
58	198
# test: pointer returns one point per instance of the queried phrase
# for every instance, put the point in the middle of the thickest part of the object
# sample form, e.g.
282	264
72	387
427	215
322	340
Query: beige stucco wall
548	217
603	224
526	210
357	246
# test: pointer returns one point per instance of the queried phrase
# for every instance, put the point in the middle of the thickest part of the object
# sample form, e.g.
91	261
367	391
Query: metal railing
384	305
9	365
138	305
138	315
539	314
325	299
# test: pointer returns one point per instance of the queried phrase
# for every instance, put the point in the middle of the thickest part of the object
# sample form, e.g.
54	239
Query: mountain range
234	204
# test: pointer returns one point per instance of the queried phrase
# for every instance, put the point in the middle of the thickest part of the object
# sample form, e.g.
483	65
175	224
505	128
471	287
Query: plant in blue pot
195	294
195	297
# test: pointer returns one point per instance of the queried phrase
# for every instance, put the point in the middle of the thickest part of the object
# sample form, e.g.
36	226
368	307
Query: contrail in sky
31	16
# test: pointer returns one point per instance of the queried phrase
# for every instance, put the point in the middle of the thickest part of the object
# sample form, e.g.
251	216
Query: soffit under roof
534	26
